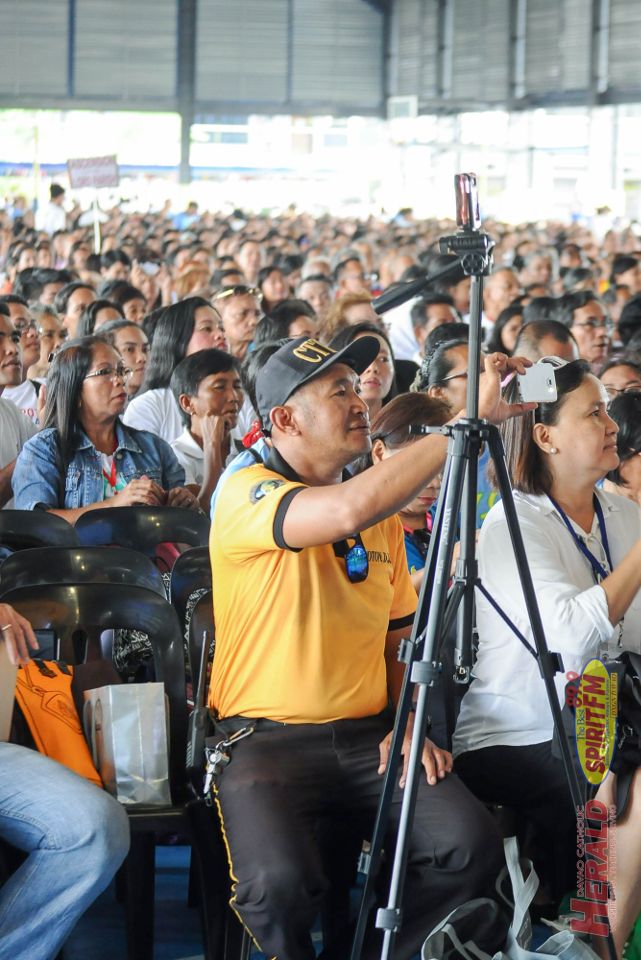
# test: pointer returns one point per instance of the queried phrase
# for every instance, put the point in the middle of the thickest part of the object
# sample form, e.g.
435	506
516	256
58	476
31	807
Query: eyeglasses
355	557
357	276
50	334
240	290
596	324
457	376
113	373
22	326
633	387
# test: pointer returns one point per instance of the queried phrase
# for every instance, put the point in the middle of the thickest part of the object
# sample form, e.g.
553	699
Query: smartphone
468	213
150	268
537	384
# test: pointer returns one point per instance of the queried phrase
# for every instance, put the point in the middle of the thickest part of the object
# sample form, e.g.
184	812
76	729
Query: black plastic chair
191	572
116	565
202	619
22	529
142	528
89	609
224	936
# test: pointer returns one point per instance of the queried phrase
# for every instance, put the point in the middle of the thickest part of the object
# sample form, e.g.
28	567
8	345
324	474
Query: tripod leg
424	673
369	863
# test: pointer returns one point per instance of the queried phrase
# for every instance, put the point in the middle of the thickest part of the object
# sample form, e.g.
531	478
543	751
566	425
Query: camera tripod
438	605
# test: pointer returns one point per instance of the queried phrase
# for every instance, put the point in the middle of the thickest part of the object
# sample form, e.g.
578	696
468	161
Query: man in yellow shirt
311	599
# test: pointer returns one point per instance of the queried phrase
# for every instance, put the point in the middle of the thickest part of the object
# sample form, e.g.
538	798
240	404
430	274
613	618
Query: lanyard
598	568
110	477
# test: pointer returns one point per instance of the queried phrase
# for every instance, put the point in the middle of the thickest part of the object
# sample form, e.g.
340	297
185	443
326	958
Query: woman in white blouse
584	551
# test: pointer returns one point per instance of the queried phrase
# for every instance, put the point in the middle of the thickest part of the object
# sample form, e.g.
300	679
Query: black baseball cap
302	359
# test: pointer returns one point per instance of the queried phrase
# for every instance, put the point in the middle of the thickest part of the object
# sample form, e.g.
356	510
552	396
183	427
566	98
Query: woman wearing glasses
84	457
621	375
584	552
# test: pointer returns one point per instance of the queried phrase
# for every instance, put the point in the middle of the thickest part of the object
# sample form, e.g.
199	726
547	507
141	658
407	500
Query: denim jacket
37	481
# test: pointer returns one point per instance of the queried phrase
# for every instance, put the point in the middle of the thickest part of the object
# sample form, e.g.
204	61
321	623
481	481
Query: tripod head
474	250
472	247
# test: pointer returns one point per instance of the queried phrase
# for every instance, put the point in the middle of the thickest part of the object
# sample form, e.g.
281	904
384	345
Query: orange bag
43	693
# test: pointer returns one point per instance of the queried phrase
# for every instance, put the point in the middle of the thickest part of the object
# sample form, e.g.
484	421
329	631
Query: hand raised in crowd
147	285
182	497
436	762
18	635
165	282
137	277
492	407
141	491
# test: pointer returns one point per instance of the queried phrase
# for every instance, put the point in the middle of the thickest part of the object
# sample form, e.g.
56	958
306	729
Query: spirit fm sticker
595	720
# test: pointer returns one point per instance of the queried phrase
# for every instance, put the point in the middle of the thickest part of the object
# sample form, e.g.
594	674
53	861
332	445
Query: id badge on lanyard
599	571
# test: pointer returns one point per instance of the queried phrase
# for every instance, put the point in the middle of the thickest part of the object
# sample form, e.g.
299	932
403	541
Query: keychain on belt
219	756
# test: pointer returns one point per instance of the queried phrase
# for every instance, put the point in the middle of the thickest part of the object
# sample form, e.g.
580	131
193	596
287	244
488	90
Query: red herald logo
312	351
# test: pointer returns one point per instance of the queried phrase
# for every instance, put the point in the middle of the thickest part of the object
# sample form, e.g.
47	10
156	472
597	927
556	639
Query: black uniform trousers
282	781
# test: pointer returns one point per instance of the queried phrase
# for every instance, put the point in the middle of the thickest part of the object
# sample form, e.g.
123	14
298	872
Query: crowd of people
237	365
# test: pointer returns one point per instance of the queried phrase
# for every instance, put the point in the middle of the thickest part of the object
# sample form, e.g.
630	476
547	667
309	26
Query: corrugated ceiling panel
575	44
241	50
625	32
428	68
542	53
557	46
126	48
337	52
480	50
33	47
407	68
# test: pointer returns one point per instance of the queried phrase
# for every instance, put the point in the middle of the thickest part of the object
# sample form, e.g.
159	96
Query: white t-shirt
51	218
15	430
401	331
157	411
192	458
24	396
507	703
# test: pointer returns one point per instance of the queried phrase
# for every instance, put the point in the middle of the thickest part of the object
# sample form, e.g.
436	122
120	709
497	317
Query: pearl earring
553	450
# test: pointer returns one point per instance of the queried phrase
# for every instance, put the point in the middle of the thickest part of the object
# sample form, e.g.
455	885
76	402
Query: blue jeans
76	837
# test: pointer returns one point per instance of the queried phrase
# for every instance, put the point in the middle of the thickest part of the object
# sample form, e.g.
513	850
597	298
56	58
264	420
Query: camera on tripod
470	245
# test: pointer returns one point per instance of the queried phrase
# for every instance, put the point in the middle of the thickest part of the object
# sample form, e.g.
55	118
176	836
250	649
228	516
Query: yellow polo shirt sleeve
404	599
252	508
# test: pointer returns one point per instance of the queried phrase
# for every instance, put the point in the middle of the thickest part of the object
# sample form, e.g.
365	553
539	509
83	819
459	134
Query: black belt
233	724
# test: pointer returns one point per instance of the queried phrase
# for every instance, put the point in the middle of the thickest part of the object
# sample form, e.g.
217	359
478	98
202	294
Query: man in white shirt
15	429
208	390
24	394
53	217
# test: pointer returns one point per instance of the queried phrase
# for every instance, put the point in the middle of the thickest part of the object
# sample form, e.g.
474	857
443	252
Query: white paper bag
126	726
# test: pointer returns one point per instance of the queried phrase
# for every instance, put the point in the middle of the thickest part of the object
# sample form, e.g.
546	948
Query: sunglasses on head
355	557
238	290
